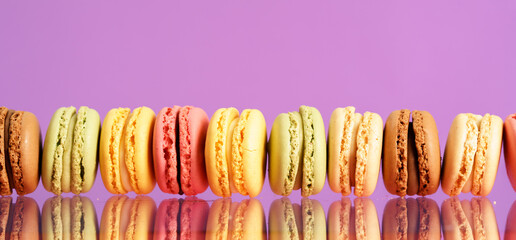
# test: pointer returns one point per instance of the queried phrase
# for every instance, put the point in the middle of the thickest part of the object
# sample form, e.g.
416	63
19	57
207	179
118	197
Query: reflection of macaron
297	150
354	151
20	220
70	152
510	224
219	219
289	221
411	218
353	222
411	153
125	152
181	219
20	145
69	218
235	152
473	219
248	221
509	146
472	154
178	150
127	218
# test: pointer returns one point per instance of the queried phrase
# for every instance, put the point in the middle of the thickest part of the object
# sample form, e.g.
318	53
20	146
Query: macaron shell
314	167
509	146
395	152
55	172
84	150
248	221
193	125
249	152
138	150
29	154
166	158
342	132
285	153
488	155
429	152
5	187
368	154
111	151
463	132
217	151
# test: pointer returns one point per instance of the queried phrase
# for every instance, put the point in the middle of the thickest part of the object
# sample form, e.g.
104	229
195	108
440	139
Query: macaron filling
14	150
288	185
481	154
114	148
186	150
308	155
362	153
470	148
130	149
401	151
78	151
238	153
345	148
220	153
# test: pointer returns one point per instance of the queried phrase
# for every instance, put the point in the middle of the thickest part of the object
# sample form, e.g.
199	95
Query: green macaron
70	151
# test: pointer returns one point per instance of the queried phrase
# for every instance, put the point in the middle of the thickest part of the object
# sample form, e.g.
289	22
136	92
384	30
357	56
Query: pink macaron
181	219
178	148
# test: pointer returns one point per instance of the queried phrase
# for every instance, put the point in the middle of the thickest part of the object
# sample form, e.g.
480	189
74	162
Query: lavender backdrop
445	57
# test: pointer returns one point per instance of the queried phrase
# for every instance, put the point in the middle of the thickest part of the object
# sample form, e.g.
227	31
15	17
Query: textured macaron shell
282	220
84	150
459	153
341	221
56	151
5	185
140	216
314	219
218	150
111	151
248	153
219	218
342	133
285	153
509	146
137	140
428	152
84	218
193	217
409	218
167	223
314	153
55	218
369	151
465	219
165	145
193	125
488	153
248	220
24	151
110	222
395	152
366	219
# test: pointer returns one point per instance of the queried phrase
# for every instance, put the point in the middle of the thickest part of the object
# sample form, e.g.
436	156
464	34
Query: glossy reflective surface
142	217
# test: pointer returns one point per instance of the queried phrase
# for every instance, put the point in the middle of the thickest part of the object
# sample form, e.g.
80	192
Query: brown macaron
411	154
20	148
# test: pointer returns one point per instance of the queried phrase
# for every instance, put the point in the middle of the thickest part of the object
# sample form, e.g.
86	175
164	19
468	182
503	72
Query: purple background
445	57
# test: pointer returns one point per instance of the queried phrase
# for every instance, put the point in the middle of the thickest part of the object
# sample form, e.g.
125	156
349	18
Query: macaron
218	150
69	218
20	148
127	218
411	154
20	220
346	221
125	151
219	217
510	224
472	154
70	152
354	151
509	146
291	221
178	150
181	219
297	150
248	220
465	219
236	152
410	218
